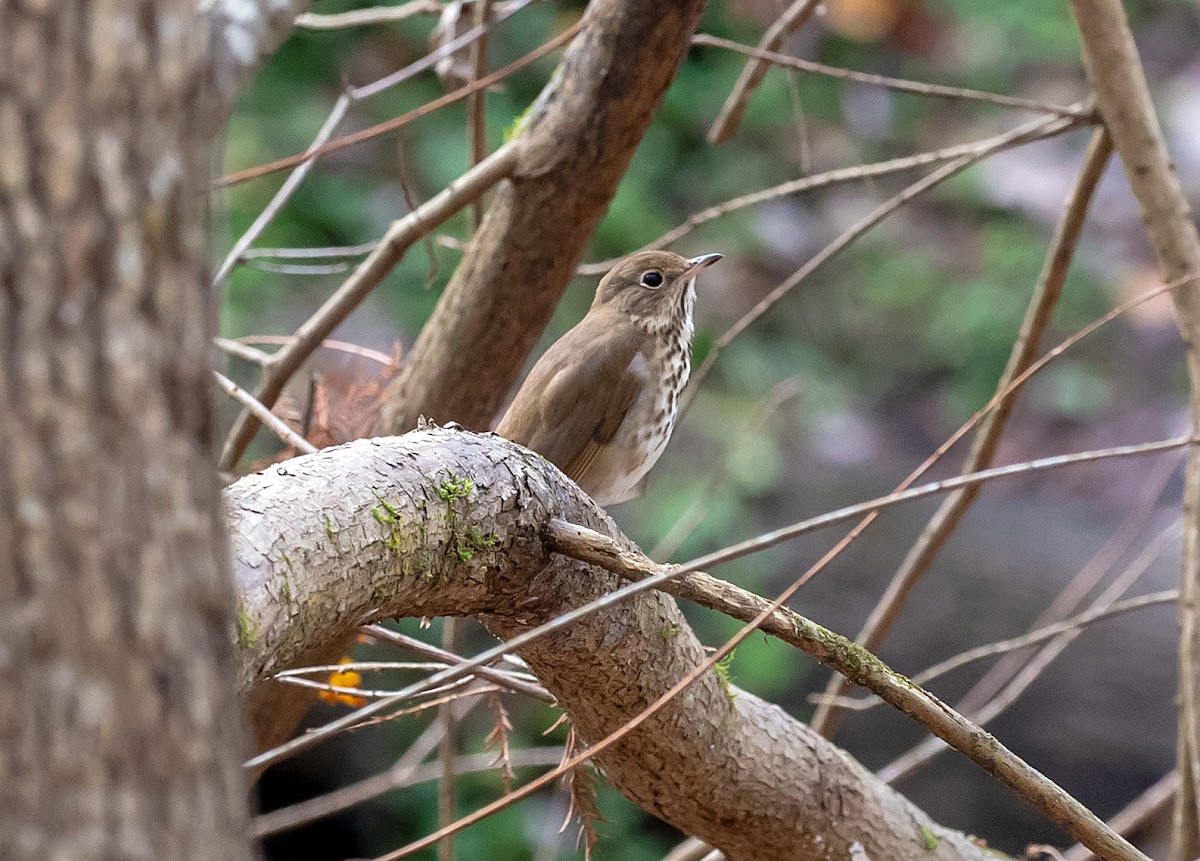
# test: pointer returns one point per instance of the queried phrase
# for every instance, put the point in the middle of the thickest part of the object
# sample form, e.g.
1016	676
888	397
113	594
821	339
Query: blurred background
831	398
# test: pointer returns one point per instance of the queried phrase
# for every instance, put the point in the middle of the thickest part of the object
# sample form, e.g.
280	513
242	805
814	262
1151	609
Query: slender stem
987	439
792	19
898	84
273	422
386	254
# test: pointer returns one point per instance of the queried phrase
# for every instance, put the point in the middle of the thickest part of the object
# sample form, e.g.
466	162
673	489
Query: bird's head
655	288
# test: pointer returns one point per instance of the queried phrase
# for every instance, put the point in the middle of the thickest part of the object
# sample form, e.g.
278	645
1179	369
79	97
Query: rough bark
443	522
576	144
1123	98
120	734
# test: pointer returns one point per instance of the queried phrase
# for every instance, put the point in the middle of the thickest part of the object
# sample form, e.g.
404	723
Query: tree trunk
120	735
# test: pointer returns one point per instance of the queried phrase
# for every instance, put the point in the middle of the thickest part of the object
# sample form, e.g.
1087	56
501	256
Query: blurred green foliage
924	309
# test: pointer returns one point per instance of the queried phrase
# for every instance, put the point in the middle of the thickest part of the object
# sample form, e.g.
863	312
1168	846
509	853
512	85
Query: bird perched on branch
601	403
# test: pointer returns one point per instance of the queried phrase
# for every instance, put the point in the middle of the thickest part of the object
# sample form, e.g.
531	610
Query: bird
601	402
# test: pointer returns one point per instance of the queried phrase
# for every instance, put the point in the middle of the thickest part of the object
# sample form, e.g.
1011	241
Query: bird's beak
701	262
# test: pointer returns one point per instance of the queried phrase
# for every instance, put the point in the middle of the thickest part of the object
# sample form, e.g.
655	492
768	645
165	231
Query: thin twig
922	753
864	669
404	119
1040	128
850	512
1134	815
396	778
792	19
368	17
328	344
476	117
387	253
825	179
356	793
987	439
273	422
241	351
345	101
278	200
450	659
310	253
1115	547
447	796
1001	647
303	269
702	500
898	84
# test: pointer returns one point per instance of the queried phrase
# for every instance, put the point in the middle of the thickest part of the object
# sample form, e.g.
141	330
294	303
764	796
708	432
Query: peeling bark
577	142
445	522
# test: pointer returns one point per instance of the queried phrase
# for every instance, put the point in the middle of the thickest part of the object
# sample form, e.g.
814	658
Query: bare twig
925	751
686	523
278	200
693	849
1134	815
1115	547
450	659
273	422
328	344
389	251
345	101
406	118
872	506
356	793
1123	97
987	439
311	253
904	86
792	19
476	118
1039	128
864	669
825	179
241	351
368	17
447	752
1075	624
396	777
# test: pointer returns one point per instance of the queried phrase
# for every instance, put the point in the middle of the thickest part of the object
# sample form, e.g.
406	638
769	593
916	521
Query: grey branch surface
575	145
447	522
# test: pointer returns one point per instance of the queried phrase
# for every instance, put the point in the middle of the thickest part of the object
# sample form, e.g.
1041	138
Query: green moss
247	636
331	533
519	123
455	487
385	512
473	541
721	668
670	632
929	839
285	585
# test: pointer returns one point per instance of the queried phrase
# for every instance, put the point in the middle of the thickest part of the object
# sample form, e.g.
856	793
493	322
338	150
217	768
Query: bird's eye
652	279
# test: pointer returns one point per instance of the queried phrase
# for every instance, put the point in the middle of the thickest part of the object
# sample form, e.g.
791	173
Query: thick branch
577	142
1124	101
448	522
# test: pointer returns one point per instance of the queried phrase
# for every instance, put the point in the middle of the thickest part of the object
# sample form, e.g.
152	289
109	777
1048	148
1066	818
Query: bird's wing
578	395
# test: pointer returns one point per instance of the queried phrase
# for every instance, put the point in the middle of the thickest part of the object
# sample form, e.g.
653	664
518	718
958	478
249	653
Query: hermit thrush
600	404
